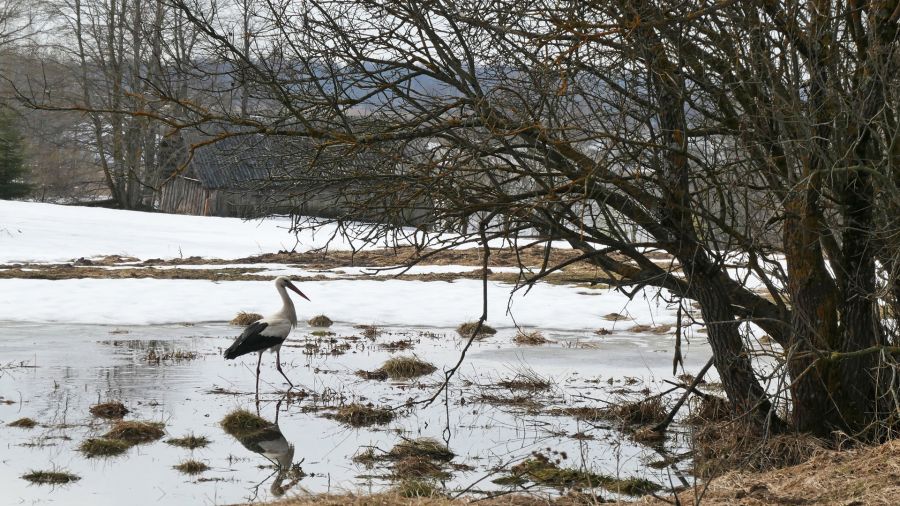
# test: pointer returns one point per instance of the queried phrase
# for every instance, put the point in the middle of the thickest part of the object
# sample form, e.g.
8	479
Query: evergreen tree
12	161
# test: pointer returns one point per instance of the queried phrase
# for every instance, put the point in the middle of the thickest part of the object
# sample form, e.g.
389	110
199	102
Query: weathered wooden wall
186	196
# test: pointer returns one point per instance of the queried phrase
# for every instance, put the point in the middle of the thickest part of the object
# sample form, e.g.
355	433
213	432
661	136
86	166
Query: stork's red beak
294	288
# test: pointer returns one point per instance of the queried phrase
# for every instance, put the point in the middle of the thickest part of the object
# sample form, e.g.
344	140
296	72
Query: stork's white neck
287	310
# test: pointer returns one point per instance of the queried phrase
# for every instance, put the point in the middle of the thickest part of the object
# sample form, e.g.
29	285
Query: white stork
270	332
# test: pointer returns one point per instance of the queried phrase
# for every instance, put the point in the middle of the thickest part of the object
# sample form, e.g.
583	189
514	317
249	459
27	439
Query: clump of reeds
320	321
244	318
466	329
532	338
136	432
111	409
50	477
103	447
525	379
191	467
241	423
359	415
190	442
406	367
24	423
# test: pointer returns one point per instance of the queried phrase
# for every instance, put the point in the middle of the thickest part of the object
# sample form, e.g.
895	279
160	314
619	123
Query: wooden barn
249	176
230	177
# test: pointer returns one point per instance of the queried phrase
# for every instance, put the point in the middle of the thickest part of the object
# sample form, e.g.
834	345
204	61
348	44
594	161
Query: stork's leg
258	363
278	362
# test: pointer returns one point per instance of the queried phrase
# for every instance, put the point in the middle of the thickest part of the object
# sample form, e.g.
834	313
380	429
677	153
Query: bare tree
754	143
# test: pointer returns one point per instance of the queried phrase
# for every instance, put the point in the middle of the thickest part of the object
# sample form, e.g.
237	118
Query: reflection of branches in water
11	366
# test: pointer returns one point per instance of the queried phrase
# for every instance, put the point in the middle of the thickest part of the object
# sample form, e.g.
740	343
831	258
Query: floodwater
54	372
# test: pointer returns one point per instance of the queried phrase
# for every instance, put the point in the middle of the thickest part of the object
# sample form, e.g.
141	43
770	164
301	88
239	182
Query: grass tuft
320	321
244	319
546	471
24	423
466	330
190	442
424	447
191	467
406	367
50	477
102	447
532	338
136	432
242	423
359	415
112	410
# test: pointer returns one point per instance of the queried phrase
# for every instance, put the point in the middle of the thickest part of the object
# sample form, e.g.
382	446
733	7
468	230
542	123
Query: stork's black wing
252	340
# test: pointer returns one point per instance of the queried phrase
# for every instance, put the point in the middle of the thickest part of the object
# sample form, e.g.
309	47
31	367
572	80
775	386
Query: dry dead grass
466	329
525	379
726	446
377	375
646	412
111	409
191	467
368	331
320	321
190	442
406	367
135	432
653	329
243	318
578	272
23	423
102	447
359	415
241	423
532	338
851	477
710	408
424	447
395	498
55	477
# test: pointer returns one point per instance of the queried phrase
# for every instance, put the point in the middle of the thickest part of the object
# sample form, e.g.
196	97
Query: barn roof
242	161
233	162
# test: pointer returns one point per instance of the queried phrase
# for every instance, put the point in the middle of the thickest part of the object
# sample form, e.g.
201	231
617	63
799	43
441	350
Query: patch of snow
386	302
37	232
